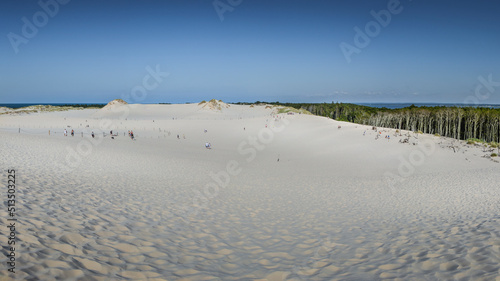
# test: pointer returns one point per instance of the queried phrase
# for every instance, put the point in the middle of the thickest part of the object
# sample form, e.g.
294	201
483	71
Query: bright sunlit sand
278	196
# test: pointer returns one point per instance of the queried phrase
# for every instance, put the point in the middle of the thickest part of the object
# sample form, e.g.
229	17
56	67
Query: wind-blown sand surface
313	202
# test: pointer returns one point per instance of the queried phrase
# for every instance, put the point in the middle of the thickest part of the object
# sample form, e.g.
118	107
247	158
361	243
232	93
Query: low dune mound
213	104
114	103
35	109
4	110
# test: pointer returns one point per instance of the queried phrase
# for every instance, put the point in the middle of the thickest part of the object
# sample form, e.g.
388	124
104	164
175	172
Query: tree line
83	105
455	122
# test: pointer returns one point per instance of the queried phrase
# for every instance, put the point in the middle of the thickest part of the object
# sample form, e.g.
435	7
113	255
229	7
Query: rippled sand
325	211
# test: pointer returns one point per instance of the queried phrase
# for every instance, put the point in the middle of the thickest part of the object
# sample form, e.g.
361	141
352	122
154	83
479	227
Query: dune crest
114	103
214	104
4	110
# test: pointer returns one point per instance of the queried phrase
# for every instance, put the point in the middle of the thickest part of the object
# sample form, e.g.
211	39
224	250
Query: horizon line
257	101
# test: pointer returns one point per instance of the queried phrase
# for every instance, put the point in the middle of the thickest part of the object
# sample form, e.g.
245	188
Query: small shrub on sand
474	141
494	144
202	102
494	155
293	110
419	132
437	135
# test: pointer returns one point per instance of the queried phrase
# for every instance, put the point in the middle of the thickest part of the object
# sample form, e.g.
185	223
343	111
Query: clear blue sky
288	51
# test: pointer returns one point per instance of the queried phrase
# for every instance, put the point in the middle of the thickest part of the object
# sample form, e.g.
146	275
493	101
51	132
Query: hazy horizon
263	101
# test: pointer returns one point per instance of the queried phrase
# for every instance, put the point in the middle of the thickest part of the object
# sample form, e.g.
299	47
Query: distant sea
379	105
19	105
401	105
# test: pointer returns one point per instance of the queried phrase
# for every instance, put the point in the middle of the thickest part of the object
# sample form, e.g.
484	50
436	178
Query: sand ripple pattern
125	219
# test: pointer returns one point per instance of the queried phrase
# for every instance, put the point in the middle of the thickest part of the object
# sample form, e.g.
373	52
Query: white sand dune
4	109
214	105
308	201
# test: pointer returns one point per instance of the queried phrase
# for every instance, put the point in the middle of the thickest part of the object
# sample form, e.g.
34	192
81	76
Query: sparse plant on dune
475	141
44	108
214	104
294	110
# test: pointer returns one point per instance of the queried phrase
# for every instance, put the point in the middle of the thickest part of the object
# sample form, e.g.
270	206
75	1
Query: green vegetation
95	105
284	110
214	104
294	110
256	103
475	141
456	122
52	108
494	155
49	108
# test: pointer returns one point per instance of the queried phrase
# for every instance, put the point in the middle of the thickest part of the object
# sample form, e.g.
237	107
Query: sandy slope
338	205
